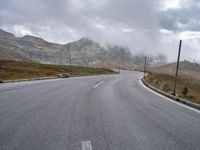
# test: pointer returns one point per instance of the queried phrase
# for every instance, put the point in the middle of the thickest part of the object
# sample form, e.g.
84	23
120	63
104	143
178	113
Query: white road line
183	105
98	84
86	145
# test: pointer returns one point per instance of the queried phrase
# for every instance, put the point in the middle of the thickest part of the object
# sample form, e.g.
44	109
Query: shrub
157	82
166	87
184	91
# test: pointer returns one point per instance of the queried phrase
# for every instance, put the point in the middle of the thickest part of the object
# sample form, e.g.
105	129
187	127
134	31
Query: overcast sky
151	27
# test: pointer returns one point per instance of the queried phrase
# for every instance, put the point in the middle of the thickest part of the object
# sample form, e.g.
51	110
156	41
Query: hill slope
187	71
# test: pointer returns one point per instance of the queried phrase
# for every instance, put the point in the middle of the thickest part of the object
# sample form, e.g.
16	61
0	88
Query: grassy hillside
189	76
188	71
161	80
11	70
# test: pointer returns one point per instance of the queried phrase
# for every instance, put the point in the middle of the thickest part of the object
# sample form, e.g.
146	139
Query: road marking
98	84
8	91
86	145
158	94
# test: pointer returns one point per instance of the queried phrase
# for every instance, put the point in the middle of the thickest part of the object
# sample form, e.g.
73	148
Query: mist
145	27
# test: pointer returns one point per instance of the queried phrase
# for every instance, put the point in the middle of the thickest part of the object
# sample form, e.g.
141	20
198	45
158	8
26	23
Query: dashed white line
188	107
98	84
86	145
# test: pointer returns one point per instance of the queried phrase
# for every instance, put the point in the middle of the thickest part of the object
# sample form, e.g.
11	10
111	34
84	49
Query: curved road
113	112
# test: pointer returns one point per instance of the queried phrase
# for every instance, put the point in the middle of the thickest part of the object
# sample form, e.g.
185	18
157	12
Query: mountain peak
33	39
86	40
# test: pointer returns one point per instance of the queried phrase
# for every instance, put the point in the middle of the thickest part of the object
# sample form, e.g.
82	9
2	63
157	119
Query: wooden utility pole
177	67
147	66
119	69
69	55
145	63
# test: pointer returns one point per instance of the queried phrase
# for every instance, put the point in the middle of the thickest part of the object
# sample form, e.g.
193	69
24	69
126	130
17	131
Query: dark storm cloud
136	13
185	18
83	18
75	13
133	23
31	11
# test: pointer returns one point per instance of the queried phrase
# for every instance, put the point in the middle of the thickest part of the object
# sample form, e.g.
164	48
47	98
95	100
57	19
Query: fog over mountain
148	27
82	52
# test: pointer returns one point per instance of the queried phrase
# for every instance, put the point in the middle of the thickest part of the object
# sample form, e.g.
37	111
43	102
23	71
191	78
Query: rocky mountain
83	52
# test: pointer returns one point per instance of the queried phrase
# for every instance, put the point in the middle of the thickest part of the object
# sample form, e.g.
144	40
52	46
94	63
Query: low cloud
150	27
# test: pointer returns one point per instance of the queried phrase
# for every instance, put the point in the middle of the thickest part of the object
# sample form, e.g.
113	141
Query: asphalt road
113	112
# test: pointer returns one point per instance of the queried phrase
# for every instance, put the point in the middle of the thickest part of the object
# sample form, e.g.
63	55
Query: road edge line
86	145
30	79
98	84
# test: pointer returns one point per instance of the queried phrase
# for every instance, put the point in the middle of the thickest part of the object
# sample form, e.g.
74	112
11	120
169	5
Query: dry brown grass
187	71
12	70
157	80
